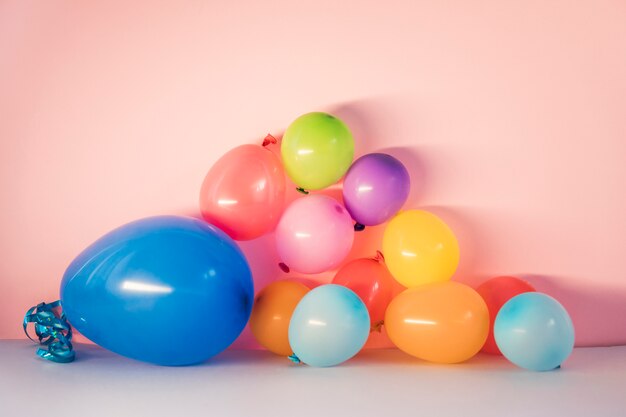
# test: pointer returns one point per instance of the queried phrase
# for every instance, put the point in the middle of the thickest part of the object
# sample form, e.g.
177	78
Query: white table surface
382	383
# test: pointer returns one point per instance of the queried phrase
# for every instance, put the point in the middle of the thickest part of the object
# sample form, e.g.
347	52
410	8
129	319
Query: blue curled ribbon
52	331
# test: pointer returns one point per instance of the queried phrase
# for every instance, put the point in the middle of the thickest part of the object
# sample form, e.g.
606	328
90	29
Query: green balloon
317	150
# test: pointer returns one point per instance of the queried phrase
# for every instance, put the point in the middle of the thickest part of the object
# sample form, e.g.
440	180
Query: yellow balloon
420	248
445	322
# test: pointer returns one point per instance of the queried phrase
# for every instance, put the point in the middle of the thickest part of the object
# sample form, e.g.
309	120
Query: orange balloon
443	322
496	292
244	192
272	312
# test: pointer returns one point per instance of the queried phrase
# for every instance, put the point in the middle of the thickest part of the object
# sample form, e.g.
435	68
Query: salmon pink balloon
372	282
244	192
314	234
496	292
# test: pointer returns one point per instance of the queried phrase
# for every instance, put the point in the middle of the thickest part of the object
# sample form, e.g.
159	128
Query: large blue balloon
534	331
167	290
328	326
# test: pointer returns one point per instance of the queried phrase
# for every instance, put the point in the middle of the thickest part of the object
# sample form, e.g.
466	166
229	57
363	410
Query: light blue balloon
329	326
534	331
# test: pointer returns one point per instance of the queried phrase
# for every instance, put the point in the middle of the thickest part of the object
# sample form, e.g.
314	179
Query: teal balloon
328	326
167	290
534	331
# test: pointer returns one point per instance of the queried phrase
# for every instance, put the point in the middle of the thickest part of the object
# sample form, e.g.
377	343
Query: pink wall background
511	117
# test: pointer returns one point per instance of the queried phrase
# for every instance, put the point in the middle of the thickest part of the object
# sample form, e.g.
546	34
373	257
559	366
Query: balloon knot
302	191
269	140
52	330
284	267
379	257
377	327
293	358
358	227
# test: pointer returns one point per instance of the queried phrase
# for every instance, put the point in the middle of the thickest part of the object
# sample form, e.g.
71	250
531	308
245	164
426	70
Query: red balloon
496	292
244	192
372	282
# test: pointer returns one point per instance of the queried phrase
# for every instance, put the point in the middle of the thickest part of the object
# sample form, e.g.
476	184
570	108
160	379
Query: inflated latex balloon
244	192
314	234
271	313
420	248
372	282
329	326
168	290
496	292
534	331
317	150
444	322
375	188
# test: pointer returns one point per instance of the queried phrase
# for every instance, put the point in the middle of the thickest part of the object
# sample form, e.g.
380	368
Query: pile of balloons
175	291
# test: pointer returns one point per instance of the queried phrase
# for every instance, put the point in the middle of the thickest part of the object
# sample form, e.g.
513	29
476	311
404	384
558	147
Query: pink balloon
244	192
314	235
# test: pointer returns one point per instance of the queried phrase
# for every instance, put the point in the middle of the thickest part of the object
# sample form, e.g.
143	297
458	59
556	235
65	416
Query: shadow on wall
595	309
375	123
416	165
468	236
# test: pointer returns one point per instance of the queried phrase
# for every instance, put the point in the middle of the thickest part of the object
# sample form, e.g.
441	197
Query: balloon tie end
379	257
284	267
302	191
269	140
377	327
293	358
358	227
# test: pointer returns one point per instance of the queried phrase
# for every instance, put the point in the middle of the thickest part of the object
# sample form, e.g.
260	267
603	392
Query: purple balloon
375	188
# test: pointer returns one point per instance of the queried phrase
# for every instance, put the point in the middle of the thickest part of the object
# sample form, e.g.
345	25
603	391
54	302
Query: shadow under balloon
390	357
94	353
581	361
97	355
485	364
247	357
